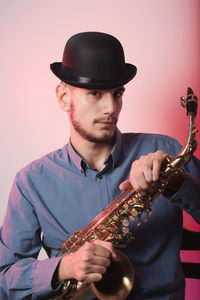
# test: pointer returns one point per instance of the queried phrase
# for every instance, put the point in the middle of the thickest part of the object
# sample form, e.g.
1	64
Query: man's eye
95	93
118	95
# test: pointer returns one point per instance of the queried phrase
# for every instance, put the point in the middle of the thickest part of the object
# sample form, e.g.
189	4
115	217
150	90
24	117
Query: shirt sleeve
22	275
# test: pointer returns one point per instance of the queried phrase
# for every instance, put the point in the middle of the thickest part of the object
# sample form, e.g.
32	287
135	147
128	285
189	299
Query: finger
89	268
137	177
101	261
92	277
96	260
147	167
100	250
134	176
139	183
125	185
157	162
92	265
105	248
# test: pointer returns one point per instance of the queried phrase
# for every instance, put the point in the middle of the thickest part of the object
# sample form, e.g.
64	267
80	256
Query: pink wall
161	37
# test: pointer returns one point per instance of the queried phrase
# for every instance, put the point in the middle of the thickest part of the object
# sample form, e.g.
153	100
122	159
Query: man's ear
64	96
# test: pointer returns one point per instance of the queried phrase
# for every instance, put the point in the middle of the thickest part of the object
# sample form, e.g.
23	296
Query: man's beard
88	135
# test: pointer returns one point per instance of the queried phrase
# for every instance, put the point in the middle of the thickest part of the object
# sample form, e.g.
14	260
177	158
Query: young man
63	191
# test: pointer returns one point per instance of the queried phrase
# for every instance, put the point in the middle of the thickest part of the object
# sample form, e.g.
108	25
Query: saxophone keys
134	212
125	222
132	218
183	101
125	229
162	186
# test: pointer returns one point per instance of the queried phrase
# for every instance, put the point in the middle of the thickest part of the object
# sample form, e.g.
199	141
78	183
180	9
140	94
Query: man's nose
109	104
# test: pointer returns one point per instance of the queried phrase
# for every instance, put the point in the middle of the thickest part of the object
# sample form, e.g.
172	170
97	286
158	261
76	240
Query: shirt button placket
103	193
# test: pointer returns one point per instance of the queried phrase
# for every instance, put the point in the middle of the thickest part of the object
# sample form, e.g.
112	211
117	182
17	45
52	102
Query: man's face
94	113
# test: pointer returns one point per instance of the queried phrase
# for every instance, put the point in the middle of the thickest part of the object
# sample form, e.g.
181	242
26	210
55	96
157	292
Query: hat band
83	79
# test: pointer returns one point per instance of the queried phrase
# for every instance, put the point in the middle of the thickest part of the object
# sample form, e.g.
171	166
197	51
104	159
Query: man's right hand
88	263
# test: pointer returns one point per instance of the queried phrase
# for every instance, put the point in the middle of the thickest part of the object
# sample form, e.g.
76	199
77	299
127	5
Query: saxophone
112	225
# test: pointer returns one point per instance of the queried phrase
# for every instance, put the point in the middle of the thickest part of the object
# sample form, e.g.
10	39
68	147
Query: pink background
161	37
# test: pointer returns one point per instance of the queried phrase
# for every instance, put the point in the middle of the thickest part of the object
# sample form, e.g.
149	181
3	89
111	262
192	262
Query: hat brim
89	83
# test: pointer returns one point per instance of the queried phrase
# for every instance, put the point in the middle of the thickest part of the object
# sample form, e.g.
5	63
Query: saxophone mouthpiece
190	91
191	102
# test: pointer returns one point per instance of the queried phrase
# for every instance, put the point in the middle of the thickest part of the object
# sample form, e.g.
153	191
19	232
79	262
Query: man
63	191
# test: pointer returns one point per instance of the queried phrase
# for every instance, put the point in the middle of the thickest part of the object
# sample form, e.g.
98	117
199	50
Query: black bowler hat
94	60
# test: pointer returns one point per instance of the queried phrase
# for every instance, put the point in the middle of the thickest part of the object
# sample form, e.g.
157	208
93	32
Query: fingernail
155	178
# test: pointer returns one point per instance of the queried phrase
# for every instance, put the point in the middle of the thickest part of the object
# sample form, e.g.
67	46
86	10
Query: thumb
125	185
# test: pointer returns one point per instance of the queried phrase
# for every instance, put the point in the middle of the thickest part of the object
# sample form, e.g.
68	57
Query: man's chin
102	138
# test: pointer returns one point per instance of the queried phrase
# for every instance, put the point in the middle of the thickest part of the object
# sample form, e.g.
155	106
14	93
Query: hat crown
95	55
93	60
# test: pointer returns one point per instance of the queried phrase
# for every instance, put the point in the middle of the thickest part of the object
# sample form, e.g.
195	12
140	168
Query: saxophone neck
191	144
191	105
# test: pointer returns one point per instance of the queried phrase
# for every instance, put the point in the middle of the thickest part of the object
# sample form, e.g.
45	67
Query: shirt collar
75	158
114	154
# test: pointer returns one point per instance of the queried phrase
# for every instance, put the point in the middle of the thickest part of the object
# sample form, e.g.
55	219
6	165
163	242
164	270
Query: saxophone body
112	225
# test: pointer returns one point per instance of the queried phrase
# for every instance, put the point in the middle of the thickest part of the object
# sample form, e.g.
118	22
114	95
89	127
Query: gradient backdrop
162	37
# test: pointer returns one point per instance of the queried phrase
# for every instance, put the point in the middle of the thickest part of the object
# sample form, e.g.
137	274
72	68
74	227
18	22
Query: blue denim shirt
58	194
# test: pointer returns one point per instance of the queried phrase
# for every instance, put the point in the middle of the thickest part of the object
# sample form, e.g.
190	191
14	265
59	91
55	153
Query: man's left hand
144	172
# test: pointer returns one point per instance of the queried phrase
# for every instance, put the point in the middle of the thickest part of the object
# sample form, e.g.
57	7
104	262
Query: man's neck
95	154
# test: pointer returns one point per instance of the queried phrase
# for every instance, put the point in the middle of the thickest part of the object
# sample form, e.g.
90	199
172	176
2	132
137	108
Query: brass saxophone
112	225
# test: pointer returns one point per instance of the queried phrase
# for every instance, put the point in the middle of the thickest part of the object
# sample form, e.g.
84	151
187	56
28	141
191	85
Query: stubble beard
107	137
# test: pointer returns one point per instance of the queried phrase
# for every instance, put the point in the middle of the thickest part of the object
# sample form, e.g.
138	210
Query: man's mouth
110	121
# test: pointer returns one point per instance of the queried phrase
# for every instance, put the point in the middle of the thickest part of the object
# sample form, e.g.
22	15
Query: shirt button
100	176
83	164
